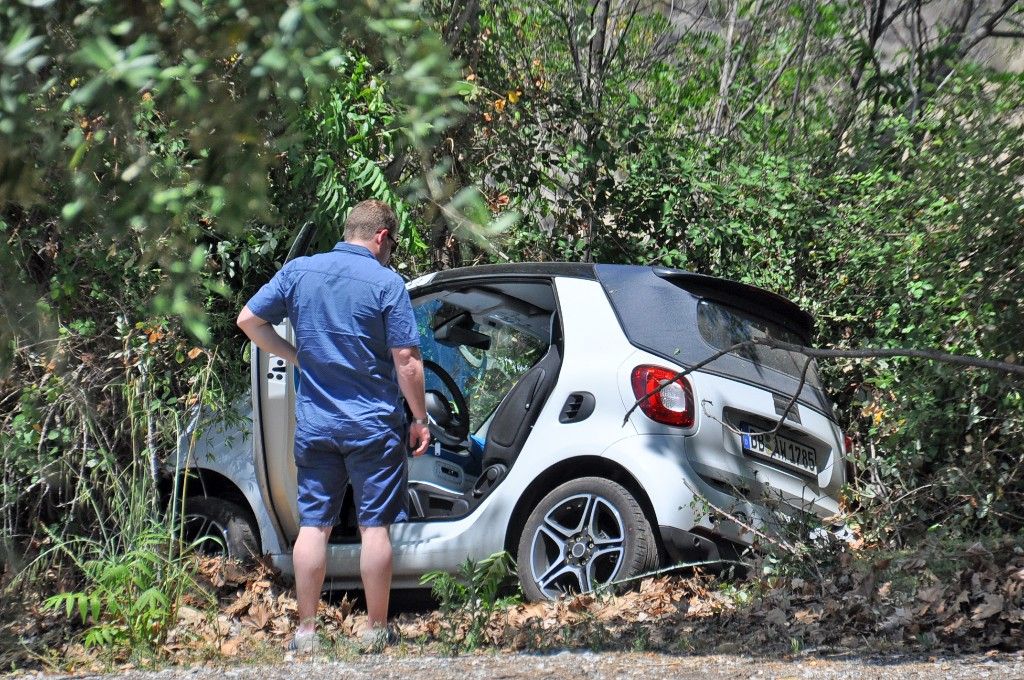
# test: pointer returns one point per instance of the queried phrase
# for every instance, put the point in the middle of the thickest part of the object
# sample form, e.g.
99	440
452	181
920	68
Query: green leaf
83	607
274	59
290	19
21	49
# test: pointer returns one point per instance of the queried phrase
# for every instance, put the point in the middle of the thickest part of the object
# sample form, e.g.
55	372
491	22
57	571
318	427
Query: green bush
469	598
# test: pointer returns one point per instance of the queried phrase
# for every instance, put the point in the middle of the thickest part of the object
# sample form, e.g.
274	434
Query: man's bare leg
309	558
375	568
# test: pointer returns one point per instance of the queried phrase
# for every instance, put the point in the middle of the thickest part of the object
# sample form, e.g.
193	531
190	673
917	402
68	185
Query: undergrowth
118	557
469	598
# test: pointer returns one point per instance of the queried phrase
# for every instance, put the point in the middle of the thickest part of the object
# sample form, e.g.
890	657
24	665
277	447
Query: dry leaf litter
976	605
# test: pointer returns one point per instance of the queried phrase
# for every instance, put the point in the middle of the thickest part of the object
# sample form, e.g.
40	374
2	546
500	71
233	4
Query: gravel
601	666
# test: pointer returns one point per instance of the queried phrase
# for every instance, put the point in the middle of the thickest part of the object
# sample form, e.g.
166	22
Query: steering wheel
447	426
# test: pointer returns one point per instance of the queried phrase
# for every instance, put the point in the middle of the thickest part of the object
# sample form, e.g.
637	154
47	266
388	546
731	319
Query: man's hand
419	438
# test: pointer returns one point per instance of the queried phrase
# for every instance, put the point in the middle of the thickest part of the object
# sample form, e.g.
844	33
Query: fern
128	598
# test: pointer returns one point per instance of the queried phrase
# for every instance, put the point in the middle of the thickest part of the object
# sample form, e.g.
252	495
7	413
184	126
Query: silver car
531	369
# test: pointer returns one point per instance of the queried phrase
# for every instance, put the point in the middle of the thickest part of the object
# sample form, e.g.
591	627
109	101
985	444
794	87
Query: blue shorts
377	469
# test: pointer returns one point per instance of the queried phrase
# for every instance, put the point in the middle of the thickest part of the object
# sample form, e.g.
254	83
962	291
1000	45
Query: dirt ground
599	666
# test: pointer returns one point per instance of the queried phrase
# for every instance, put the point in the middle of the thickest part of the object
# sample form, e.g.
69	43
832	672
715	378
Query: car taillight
673	405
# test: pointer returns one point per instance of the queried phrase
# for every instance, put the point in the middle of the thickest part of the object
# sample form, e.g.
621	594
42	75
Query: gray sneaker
304	643
375	640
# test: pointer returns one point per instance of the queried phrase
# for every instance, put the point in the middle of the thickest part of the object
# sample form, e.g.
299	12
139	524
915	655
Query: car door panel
274	458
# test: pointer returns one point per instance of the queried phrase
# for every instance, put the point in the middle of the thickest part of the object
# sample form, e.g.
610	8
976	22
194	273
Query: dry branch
814	353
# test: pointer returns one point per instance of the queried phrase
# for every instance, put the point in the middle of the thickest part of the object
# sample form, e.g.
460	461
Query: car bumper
690	548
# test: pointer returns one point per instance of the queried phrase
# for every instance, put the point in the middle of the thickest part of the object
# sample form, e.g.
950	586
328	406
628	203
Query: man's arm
266	338
409	365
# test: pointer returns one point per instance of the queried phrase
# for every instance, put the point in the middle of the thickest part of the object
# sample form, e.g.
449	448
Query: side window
511	354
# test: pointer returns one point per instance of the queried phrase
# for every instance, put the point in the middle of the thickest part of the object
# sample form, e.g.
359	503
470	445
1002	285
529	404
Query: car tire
585	533
218	526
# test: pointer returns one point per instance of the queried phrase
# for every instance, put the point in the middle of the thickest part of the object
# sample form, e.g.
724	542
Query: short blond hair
367	218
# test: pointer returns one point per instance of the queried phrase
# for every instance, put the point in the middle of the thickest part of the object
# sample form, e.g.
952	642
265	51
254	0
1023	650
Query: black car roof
582	270
578	270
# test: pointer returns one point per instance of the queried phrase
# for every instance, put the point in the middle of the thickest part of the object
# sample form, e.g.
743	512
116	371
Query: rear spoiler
743	296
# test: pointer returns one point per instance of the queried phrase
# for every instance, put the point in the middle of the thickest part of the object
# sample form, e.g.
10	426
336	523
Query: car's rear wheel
215	526
585	533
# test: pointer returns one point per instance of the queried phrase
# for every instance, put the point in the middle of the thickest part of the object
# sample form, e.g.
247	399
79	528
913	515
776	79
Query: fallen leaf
190	616
777	618
259	615
223	625
806	616
978	550
580	602
234	573
240	605
230	647
992	605
900	617
931	594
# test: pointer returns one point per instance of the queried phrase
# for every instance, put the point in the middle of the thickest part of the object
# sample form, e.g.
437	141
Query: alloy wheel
579	545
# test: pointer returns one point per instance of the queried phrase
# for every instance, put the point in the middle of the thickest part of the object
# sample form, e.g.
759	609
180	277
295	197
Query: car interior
492	352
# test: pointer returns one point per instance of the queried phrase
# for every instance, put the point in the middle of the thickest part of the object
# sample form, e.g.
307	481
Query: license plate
782	451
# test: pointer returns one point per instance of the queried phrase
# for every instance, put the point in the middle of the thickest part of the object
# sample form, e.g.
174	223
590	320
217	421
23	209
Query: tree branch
623	33
457	22
990	24
581	75
769	86
596	59
813	353
725	82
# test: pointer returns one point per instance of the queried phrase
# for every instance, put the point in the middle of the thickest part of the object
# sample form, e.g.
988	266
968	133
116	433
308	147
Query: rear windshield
723	326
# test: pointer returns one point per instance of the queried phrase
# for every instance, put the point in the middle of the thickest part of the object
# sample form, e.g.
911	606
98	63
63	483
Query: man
357	349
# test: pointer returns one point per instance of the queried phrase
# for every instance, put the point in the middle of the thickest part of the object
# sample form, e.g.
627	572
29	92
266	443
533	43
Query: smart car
531	370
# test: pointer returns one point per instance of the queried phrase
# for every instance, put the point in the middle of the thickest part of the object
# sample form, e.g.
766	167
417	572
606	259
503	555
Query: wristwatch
421	421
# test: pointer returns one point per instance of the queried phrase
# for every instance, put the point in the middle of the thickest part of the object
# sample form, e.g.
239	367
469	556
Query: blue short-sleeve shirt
348	312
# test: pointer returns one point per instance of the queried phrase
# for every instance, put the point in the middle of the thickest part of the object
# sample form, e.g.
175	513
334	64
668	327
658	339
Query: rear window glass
723	326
